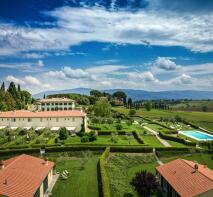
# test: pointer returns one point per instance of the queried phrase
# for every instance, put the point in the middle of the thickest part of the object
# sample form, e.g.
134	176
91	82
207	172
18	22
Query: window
48	104
29	119
65	103
60	103
70	108
65	109
48	109
41	119
13	120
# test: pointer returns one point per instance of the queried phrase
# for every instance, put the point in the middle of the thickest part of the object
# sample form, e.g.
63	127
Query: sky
152	45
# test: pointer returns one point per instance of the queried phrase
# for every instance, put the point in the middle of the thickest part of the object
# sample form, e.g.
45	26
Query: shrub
63	133
145	183
119	127
89	137
132	112
104	177
22	132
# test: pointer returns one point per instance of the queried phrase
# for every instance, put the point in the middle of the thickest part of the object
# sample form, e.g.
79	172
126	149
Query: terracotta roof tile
181	175
23	174
41	114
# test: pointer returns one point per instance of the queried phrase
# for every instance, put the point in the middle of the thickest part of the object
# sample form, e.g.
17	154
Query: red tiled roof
41	114
180	174
24	174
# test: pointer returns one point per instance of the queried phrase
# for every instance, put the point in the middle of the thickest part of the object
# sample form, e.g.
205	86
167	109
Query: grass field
81	182
202	119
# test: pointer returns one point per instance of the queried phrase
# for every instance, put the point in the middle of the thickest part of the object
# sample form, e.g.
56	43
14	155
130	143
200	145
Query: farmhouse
25	176
55	104
71	119
186	179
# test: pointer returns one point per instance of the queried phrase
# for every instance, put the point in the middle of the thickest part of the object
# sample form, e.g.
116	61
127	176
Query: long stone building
55	104
72	119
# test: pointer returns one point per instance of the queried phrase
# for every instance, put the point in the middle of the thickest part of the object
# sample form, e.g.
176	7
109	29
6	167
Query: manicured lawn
121	168
202	119
106	139
152	140
81	182
156	127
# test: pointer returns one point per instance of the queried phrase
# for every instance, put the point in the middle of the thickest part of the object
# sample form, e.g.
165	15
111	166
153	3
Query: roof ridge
185	161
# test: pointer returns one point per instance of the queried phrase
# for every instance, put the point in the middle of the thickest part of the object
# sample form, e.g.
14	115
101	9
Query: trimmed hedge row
138	137
104	177
94	127
110	132
176	139
127	149
19	151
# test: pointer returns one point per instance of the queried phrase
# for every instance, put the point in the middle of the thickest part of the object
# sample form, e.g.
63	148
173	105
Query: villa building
55	104
25	176
73	119
183	178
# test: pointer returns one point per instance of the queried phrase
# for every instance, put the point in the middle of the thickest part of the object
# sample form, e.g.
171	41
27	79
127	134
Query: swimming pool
197	135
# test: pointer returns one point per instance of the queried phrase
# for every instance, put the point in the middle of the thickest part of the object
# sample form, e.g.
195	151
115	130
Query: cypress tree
3	87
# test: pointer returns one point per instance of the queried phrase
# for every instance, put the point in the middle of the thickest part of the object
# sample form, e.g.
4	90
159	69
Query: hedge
127	149
94	127
176	139
19	151
138	137
73	148
110	132
103	173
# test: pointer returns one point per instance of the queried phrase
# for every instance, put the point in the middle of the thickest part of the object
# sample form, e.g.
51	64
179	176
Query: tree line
14	97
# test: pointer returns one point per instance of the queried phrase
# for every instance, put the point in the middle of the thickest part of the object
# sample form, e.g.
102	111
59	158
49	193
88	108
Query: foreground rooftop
21	176
186	177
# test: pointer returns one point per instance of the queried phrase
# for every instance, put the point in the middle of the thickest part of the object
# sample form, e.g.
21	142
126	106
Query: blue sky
139	44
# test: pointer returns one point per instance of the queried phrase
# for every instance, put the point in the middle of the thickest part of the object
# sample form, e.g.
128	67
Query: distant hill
140	94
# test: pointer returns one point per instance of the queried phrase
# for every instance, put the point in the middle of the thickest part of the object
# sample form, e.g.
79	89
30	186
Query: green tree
132	112
129	102
3	87
204	108
96	93
63	133
148	106
102	108
13	91
120	95
145	184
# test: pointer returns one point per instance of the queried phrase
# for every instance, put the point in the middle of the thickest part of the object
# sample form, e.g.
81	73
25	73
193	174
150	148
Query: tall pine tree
3	87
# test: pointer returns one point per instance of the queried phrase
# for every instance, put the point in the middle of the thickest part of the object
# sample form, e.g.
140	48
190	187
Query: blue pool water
198	135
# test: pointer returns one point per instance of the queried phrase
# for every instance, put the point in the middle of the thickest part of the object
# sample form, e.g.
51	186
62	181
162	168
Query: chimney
195	168
45	161
1	164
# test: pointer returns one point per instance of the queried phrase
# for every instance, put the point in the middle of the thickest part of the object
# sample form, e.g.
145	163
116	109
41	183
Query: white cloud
165	63
77	25
40	63
16	80
29	82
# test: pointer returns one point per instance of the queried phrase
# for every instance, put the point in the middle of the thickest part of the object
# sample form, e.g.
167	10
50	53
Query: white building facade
55	104
48	119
